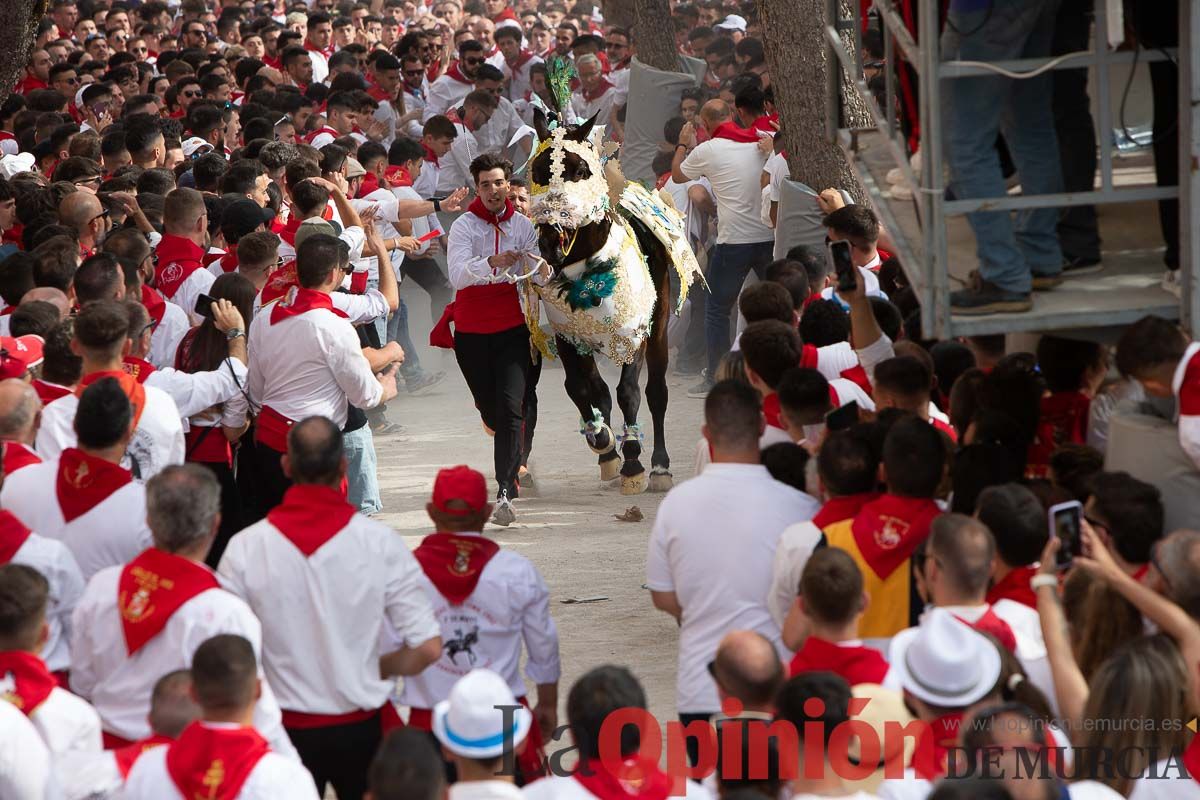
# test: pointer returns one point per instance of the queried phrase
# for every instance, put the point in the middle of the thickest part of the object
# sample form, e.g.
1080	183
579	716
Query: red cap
18	355
460	483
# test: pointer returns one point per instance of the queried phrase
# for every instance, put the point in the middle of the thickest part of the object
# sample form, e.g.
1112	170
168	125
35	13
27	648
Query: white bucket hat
945	662
13	164
470	725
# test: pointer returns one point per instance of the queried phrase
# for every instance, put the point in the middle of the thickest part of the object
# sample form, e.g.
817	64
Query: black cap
244	216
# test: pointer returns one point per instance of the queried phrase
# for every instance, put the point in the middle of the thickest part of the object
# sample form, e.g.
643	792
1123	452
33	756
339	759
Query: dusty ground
568	531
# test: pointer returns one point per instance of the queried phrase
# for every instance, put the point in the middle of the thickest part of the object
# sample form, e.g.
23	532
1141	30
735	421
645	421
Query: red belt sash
302	720
207	445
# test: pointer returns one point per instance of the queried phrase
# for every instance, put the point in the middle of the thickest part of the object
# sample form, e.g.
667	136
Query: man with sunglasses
194	34
448	91
83	213
64	79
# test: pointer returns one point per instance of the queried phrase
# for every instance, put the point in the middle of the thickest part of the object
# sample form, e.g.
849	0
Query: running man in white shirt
138	622
221	754
343	574
64	721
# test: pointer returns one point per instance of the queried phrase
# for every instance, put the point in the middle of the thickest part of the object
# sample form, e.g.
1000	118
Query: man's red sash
26	680
214	763
85	481
888	530
154	586
454	562
310	516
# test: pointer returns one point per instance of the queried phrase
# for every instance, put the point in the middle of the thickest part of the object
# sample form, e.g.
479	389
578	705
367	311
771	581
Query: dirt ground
569	530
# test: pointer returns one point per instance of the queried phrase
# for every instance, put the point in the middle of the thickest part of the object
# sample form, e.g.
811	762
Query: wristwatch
437	205
233	333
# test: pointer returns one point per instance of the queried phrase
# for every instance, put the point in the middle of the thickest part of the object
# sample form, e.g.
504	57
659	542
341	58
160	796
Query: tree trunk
619	13
798	59
855	113
18	30
655	32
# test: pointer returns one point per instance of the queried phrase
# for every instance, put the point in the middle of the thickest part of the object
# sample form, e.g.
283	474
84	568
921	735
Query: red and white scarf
888	530
302	300
214	763
152	588
731	132
85	481
178	258
454	562
310	516
639	779
30	678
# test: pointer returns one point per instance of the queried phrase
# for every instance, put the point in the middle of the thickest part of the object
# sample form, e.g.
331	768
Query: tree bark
855	113
18	30
798	59
655	32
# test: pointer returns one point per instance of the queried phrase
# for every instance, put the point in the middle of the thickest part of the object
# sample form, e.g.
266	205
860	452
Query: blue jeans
727	270
397	331
361	470
975	109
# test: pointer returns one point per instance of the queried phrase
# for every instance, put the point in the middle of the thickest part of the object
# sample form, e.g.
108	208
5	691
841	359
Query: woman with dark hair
210	441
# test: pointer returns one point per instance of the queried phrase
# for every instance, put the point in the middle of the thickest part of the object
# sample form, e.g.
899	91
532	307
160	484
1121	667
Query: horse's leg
629	398
656	372
582	377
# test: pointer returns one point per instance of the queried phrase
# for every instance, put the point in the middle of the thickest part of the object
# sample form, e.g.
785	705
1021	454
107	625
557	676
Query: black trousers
429	276
1078	231
339	755
1157	25
272	483
496	367
231	509
531	409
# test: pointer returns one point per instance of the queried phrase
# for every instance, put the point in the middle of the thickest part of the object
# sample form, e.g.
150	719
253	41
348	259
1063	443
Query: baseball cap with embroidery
18	355
460	483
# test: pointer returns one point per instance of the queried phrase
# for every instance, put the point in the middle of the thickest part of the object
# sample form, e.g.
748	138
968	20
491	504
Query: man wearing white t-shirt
732	162
713	543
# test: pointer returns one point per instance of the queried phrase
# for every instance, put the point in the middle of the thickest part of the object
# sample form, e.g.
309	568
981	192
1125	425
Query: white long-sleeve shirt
444	94
119	685
343	592
193	392
473	241
54	561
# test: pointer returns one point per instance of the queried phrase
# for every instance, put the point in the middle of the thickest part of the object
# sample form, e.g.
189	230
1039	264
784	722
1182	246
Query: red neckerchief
178	258
312	48
1015	586
139	368
397	177
622	64
858	664
888	530
30	83
933	746
214	763
310	516
154	586
455	74
127	756
211	258
1063	420
133	390
990	623
326	129
771	409
454	562
32	682
641	779
279	282
480	210
156	307
727	130
1191	758
430	156
301	301
49	392
85	481
839	509
858	376
523	57
13	534
944	427
18	456
379	94
229	261
369	184
288	234
763	123
596	93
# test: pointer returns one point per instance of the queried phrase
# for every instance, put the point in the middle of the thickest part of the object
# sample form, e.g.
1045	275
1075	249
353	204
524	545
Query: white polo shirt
157	441
509	605
713	544
119	685
110	533
310	365
54	561
733	169
343	591
274	777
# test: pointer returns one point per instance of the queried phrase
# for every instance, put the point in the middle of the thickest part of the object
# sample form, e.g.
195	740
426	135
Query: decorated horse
612	245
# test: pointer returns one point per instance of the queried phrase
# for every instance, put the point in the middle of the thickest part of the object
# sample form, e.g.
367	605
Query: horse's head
568	190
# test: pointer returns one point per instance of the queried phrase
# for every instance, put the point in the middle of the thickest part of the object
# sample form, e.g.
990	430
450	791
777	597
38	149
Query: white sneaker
504	515
1172	283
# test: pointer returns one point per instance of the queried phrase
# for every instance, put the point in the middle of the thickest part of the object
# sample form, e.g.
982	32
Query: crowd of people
207	208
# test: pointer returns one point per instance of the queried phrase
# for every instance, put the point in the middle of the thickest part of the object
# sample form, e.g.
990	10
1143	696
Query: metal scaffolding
918	227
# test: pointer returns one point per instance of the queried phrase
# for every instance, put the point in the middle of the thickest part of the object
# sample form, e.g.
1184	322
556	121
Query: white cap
12	164
732	23
470	725
944	661
194	145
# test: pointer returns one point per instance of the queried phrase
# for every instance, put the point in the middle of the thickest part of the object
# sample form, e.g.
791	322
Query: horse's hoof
610	469
608	447
633	484
660	482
